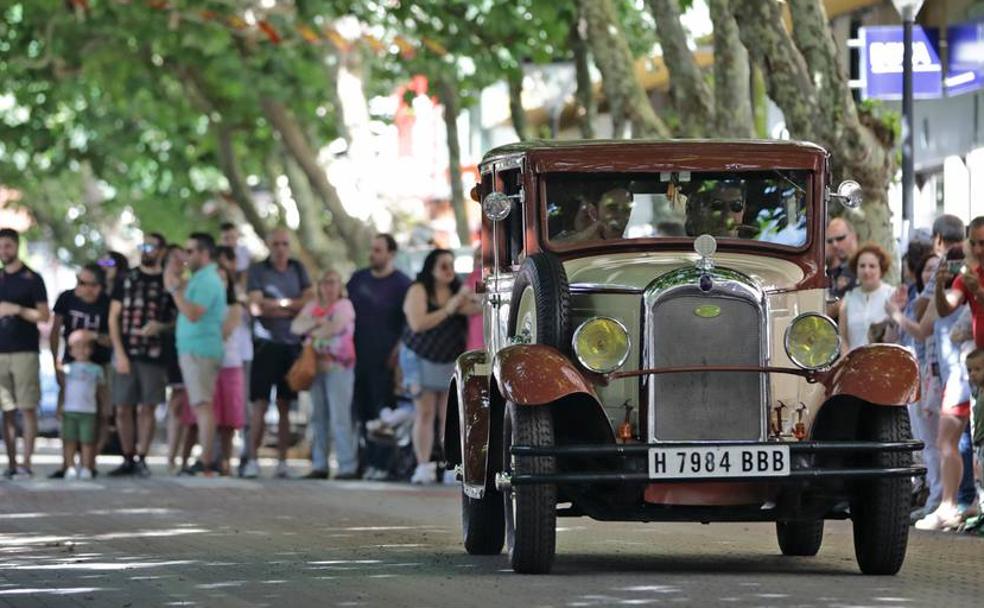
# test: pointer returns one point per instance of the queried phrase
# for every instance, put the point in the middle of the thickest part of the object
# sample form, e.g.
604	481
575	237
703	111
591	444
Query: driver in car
604	220
719	211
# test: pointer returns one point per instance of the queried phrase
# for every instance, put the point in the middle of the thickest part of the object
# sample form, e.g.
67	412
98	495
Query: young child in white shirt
85	386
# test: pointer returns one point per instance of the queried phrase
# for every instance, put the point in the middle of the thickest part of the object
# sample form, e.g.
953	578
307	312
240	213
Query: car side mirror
496	206
849	194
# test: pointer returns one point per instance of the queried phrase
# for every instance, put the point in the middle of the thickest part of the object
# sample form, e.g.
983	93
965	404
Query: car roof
668	154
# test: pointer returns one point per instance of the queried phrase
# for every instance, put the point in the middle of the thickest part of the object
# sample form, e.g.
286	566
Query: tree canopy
181	112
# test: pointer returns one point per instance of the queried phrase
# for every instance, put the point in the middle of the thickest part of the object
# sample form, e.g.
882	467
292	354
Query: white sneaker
941	519
282	471
85	474
450	478
71	474
426	472
251	470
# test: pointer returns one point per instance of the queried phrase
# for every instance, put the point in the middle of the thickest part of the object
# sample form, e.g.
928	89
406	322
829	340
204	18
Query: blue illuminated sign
881	59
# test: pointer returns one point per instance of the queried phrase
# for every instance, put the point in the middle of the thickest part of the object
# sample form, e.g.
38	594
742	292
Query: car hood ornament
705	245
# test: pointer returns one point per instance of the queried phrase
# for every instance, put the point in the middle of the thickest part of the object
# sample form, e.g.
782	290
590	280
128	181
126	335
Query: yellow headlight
812	341
601	344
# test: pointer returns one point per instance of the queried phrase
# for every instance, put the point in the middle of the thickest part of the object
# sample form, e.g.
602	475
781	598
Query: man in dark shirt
140	311
377	295
278	289
842	241
23	305
85	308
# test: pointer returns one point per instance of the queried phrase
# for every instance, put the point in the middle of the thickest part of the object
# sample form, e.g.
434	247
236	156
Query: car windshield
765	206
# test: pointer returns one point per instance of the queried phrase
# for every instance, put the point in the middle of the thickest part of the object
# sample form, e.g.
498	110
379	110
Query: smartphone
954	266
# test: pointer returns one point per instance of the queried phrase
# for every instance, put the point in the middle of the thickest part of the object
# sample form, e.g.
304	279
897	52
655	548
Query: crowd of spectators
211	335
938	312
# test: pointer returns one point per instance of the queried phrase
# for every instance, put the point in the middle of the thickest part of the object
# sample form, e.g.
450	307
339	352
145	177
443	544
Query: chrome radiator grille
706	406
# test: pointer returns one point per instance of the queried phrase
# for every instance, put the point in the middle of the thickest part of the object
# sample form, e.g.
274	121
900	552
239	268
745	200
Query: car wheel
483	523
531	510
539	311
800	538
880	508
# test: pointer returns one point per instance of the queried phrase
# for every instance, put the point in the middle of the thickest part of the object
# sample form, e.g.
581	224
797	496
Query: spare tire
539	310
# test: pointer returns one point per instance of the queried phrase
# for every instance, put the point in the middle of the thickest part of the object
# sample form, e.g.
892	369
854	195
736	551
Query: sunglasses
735	206
87	283
107	263
835	239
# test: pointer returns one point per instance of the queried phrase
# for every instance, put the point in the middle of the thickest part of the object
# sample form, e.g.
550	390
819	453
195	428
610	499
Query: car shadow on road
749	563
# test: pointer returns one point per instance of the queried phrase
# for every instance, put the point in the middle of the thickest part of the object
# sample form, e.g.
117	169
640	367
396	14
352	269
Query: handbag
300	377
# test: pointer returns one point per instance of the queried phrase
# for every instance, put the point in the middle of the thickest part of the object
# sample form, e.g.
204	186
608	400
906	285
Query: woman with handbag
328	324
437	306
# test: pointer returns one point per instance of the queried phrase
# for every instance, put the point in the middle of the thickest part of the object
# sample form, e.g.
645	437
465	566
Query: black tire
483	523
800	538
530	511
545	275
880	509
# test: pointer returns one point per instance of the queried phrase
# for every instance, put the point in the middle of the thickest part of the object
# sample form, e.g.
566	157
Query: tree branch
317	235
788	82
850	140
239	190
353	232
585	106
516	111
690	95
449	98
627	99
732	85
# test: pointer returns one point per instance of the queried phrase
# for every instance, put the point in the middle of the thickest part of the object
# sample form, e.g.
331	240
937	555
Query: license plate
720	461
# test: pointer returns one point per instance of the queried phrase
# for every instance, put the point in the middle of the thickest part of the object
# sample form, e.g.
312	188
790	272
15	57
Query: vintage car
657	350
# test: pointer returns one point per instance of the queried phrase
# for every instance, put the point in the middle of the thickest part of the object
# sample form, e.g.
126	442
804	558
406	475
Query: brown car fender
536	374
466	430
880	374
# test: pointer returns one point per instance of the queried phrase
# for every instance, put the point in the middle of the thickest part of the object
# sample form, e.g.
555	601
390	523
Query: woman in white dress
865	304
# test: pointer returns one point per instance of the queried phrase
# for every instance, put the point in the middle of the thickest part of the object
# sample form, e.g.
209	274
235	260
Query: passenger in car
604	220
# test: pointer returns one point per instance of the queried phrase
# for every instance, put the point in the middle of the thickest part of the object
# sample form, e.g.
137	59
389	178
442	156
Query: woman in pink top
328	323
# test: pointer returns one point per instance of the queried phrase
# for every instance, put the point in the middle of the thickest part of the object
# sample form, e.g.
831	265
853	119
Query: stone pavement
169	541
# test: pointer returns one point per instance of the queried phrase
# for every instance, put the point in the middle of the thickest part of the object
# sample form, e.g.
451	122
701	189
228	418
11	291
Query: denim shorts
410	369
420	373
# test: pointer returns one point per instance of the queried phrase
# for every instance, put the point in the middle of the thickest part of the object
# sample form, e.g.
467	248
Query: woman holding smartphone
865	304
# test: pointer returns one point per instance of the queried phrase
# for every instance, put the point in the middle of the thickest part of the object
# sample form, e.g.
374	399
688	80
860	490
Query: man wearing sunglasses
201	303
140	311
718	211
84	308
842	242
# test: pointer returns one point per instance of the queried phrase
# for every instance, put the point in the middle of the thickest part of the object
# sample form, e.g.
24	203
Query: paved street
230	542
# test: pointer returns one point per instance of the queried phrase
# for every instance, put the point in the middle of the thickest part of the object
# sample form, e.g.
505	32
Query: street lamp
908	9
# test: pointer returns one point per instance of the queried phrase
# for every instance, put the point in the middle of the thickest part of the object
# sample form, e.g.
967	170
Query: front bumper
633	455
